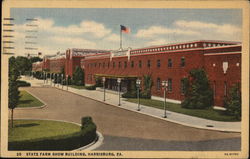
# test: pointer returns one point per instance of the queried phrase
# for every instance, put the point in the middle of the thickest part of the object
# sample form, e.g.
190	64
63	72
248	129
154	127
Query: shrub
145	94
98	82
198	94
233	103
78	77
129	94
23	83
93	87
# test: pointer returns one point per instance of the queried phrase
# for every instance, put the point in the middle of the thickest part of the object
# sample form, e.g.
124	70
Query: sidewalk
112	99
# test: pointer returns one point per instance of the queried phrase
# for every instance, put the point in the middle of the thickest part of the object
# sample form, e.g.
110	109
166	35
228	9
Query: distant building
74	56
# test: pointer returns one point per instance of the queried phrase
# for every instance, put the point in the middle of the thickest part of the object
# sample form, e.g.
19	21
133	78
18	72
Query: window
158	63
125	64
158	86
170	85
99	65
132	64
170	63
95	64
103	64
182	61
140	64
108	64
182	86
113	64
119	64
149	63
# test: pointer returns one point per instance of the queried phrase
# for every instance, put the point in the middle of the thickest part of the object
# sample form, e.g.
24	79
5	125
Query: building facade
220	59
74	57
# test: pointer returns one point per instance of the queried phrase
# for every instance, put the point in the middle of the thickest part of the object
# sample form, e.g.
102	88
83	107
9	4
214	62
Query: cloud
158	42
73	42
197	25
113	38
160	30
97	29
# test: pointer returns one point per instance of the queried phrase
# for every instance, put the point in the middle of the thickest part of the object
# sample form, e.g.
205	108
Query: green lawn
210	113
27	100
38	129
43	135
77	87
48	135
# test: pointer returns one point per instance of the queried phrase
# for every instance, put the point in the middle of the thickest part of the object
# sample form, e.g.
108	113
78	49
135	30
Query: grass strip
210	113
27	100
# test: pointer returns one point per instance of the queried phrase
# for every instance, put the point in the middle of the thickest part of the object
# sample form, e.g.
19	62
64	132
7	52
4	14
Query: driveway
123	129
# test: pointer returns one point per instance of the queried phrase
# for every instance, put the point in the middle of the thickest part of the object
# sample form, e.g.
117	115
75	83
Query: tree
23	64
13	94
233	102
35	59
146	93
198	94
78	76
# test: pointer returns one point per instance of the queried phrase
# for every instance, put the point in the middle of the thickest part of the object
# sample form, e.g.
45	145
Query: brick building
67	61
220	59
37	66
74	56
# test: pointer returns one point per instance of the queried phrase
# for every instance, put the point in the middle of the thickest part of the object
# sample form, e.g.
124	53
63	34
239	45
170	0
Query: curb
91	146
165	119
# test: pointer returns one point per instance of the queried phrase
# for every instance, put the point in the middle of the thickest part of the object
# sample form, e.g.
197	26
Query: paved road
123	129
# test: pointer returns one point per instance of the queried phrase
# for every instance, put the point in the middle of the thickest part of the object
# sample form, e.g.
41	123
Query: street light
54	79
51	78
62	80
119	90
58	75
165	85
43	77
67	81
103	81
47	78
138	84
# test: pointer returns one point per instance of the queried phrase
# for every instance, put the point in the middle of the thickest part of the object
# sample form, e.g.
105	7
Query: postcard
125	79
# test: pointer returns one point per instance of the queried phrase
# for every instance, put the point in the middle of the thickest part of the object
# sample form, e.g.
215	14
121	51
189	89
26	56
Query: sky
99	28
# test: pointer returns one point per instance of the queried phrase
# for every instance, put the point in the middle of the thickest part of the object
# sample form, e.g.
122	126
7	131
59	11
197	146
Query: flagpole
120	38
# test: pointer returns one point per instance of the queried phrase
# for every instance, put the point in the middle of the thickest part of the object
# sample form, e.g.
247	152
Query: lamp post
165	85
67	81
58	75
103	81
138	84
55	79
47	78
119	90
51	78
62	80
43	77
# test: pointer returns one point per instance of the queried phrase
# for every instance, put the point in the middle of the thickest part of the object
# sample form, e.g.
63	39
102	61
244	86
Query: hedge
21	83
86	135
90	87
133	94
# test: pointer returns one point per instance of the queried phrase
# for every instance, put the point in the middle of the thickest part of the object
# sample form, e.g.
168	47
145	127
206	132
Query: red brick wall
213	65
193	59
56	65
176	72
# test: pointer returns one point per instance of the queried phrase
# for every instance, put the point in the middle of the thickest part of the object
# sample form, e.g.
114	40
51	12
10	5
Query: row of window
140	64
170	85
